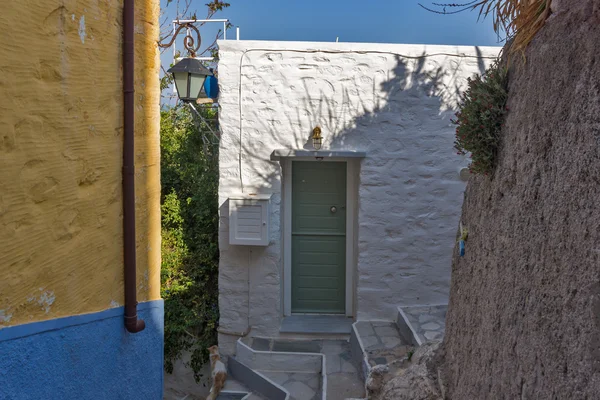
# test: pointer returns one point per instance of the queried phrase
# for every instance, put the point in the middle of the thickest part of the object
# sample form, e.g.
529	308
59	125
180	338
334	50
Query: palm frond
519	19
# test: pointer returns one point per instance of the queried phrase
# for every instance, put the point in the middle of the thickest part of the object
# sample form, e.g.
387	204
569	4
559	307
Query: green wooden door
318	237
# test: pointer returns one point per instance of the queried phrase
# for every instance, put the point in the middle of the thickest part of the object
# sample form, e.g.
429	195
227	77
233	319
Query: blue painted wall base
88	356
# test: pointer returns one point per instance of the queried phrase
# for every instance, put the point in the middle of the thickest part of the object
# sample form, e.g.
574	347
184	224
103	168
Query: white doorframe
351	204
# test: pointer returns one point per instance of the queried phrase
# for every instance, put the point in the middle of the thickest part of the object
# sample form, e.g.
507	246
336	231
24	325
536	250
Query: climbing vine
190	252
480	118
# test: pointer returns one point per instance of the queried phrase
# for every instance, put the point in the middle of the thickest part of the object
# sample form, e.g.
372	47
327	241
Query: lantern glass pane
196	85
317	142
181	79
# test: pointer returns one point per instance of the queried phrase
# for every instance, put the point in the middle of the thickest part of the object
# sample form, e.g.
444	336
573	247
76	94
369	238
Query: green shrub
190	251
480	118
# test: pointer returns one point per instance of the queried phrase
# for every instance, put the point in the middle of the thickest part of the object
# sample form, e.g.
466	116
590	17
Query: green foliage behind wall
190	251
480	118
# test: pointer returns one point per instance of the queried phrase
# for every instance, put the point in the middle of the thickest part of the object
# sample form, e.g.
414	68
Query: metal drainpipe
132	323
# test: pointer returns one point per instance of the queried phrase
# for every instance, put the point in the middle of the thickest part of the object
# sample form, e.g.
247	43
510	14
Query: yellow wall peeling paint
61	135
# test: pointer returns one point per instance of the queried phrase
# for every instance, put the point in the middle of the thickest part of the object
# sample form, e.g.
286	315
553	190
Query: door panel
318	237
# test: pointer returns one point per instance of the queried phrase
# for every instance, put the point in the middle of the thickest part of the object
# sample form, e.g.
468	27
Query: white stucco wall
393	101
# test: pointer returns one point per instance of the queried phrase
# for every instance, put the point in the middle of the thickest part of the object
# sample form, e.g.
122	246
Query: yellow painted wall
61	135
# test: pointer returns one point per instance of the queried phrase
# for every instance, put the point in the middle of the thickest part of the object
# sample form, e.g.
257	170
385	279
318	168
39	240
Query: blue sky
379	21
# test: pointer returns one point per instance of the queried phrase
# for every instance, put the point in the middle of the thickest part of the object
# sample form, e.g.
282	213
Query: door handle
333	209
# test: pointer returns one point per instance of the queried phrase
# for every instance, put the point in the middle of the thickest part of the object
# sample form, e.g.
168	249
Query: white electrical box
249	219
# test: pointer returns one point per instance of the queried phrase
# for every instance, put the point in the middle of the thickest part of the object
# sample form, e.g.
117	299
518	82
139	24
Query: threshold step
331	324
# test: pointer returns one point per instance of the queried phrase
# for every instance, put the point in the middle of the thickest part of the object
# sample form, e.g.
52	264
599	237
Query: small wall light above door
317	139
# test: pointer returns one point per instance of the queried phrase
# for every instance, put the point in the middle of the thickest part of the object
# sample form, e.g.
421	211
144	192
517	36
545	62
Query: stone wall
61	135
524	314
62	333
392	101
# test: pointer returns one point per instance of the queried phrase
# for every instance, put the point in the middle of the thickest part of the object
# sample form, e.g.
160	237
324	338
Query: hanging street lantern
189	75
317	139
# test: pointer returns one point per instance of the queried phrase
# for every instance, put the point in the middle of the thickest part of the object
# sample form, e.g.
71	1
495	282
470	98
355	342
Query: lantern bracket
188	41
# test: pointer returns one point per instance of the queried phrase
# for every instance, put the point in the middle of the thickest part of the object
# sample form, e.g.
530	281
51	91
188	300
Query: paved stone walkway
382	342
240	390
428	322
343	378
302	386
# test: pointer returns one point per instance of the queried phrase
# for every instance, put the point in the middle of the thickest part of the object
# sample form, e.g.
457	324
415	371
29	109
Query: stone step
301	386
392	343
232	396
317	324
307	369
254	396
255	381
239	396
422	324
232	385
280	359
378	343
234	390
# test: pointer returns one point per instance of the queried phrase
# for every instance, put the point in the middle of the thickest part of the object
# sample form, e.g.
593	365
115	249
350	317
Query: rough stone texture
383	349
61	135
524	314
376	380
398	110
419	379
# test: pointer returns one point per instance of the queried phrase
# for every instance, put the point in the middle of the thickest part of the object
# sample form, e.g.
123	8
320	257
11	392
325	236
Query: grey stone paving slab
423	318
365	329
429	335
255	396
386	331
261	344
254	380
278	377
334	347
297	346
349	367
231	396
333	363
344	385
430	326
344	377
369	341
300	390
385	346
304	377
234	386
380	360
314	382
316	324
391	342
429	323
378	323
302	386
346	354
